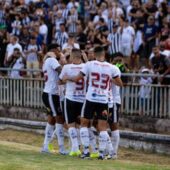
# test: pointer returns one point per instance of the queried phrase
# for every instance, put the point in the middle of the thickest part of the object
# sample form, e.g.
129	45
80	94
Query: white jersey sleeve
115	72
51	76
114	92
54	63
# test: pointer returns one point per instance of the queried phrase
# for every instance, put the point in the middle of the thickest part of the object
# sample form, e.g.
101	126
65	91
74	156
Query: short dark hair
98	49
16	49
101	19
62	24
76	52
52	46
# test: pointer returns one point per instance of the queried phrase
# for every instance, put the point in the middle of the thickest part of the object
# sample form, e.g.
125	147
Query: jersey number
80	84
97	78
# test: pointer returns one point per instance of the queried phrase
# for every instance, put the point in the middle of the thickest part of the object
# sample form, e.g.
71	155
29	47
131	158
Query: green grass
21	151
15	156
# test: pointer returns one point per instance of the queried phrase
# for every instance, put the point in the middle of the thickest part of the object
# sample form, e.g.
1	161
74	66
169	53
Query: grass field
21	151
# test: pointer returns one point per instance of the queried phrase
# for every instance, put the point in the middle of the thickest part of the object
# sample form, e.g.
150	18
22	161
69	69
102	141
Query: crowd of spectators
135	33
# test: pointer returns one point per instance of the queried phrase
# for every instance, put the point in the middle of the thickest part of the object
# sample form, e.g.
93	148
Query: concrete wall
136	140
136	123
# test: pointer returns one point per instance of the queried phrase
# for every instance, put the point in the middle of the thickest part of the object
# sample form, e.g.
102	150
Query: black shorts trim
89	109
114	113
52	104
72	111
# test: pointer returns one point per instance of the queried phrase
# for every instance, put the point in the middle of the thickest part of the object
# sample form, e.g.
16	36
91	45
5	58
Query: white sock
115	140
84	136
78	136
48	135
74	141
103	137
92	139
60	136
109	147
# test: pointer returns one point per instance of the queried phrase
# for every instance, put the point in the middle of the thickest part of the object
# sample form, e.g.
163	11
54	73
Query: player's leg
50	124
115	129
59	130
86	116
93	139
71	108
102	112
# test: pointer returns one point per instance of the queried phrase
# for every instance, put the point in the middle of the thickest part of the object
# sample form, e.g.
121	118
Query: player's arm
58	69
75	78
116	76
117	81
62	76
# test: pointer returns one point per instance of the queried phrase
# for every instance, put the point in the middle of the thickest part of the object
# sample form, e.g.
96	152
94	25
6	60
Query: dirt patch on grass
124	154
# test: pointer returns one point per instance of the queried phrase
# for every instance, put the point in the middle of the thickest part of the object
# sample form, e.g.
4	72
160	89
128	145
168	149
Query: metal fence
27	92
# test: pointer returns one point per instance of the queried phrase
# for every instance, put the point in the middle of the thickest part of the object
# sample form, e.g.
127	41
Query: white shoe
45	150
63	152
113	157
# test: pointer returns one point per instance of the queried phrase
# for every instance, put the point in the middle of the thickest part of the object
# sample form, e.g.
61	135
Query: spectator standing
16	61
81	37
61	37
10	48
114	41
3	44
150	32
72	21
127	38
43	30
31	53
161	65
16	26
2	14
58	20
70	44
145	91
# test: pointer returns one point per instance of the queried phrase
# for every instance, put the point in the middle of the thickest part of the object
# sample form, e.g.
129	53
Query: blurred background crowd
134	33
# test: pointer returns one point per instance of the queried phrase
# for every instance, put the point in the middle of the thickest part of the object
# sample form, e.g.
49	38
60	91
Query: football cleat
63	152
85	156
45	150
94	155
100	157
108	157
77	153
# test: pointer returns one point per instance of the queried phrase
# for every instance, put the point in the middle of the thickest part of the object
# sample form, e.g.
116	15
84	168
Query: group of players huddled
78	94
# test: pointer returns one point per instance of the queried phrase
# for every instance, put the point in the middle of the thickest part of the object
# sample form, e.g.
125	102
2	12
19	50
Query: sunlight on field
14	155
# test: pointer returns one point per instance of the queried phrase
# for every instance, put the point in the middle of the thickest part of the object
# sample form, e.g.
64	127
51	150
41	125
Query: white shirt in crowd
99	74
74	91
137	41
32	56
145	90
17	65
51	76
128	34
11	47
117	12
68	46
43	29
